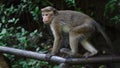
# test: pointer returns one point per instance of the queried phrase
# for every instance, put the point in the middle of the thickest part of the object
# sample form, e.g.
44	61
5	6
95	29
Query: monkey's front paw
75	55
65	51
48	56
69	53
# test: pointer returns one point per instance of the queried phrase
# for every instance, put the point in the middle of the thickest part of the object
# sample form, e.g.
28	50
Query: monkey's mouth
46	22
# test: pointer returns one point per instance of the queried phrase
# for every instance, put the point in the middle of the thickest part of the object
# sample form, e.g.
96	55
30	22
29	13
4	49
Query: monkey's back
73	17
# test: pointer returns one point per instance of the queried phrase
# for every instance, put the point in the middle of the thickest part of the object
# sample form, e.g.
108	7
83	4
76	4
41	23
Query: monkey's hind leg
91	50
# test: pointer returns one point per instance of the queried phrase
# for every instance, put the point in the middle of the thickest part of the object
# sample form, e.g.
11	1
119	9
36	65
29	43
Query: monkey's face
47	17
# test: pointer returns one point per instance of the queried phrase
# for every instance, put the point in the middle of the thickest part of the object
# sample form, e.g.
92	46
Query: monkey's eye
46	14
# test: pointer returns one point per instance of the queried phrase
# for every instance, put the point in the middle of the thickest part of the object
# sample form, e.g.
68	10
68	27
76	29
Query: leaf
3	19
11	20
4	31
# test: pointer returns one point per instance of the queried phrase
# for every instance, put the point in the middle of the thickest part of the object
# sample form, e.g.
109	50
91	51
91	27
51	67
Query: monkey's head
48	14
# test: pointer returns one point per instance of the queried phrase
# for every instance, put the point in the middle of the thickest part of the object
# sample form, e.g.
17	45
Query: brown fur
77	24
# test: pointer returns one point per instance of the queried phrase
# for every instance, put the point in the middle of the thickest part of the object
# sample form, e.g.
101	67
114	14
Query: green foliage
116	19
30	63
71	3
17	37
110	6
112	11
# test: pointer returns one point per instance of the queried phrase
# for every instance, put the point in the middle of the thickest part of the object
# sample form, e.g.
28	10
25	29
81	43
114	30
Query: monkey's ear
55	12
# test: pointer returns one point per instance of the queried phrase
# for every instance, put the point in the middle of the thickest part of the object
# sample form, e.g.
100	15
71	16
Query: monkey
78	26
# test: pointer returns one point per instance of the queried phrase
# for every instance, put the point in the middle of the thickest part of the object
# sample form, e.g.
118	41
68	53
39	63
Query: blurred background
21	27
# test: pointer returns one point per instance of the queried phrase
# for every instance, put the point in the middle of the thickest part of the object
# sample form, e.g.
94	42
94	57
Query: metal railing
64	62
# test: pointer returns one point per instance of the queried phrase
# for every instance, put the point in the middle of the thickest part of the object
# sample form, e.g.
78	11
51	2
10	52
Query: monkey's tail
108	41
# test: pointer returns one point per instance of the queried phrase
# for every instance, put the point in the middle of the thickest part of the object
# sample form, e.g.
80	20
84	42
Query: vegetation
13	35
112	11
18	28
